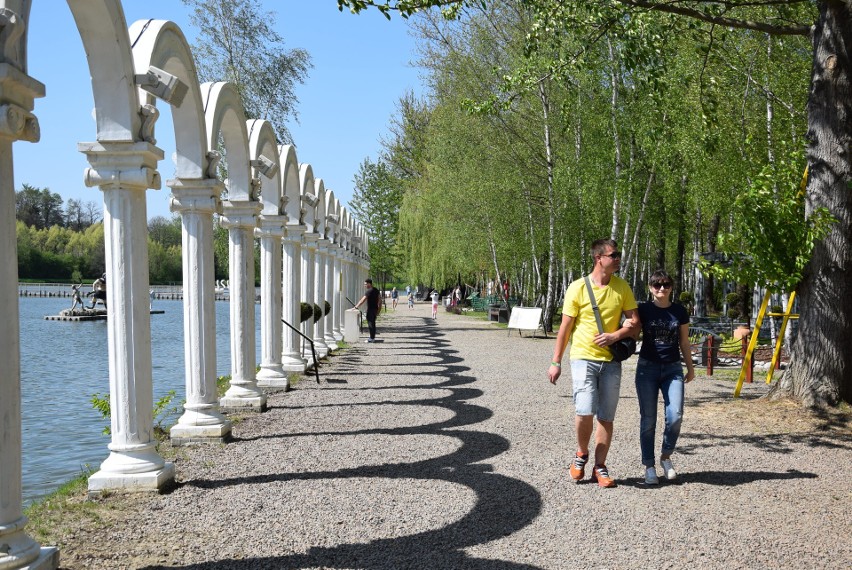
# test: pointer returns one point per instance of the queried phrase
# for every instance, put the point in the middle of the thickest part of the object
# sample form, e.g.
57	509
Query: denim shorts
596	388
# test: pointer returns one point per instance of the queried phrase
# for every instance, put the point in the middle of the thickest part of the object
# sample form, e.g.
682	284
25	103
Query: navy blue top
661	332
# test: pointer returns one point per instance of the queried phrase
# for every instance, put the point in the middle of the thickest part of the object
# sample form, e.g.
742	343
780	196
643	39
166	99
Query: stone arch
224	115
263	149
290	181
102	23
308	199
332	217
162	44
345	230
319	213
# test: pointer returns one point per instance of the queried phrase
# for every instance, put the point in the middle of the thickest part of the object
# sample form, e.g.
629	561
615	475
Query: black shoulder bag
620	349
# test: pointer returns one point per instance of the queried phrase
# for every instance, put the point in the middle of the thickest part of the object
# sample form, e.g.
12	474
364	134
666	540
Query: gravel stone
443	445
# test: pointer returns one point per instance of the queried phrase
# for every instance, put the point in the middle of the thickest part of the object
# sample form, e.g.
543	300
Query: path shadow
503	504
719	478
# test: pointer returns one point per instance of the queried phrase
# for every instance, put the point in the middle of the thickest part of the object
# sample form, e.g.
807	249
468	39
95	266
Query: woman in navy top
665	338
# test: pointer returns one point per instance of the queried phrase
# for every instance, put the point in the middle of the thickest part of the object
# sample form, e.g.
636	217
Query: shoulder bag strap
594	302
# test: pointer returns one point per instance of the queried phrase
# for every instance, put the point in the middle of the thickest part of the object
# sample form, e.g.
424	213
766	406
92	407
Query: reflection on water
64	363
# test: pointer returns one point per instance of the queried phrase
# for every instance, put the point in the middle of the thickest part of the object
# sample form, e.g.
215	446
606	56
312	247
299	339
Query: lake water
64	363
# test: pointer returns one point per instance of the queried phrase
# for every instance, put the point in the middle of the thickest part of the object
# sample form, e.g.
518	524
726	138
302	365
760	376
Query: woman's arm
686	351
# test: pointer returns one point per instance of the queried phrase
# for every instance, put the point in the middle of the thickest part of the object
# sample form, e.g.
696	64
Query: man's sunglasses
613	255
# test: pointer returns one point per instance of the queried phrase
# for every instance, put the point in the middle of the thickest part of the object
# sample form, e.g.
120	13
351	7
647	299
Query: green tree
375	204
38	207
165	231
565	33
237	42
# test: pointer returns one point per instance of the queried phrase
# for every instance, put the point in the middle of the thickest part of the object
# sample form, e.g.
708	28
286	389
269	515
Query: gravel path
444	446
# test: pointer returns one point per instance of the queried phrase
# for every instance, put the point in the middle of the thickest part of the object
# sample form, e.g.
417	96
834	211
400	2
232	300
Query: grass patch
58	514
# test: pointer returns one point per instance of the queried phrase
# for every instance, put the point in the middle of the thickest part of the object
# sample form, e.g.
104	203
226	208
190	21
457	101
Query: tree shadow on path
503	506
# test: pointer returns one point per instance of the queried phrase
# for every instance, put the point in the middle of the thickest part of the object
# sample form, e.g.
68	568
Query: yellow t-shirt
612	299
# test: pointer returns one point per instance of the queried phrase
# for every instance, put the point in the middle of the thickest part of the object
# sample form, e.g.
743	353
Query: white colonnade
312	250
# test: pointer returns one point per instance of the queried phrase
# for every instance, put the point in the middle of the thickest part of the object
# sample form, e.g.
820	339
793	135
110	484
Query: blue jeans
651	379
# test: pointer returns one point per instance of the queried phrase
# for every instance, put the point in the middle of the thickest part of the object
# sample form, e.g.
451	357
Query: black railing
313	350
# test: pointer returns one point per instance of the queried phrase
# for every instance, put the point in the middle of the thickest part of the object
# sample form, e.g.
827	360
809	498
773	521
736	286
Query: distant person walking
665	339
410	300
435	298
596	377
373	300
394	298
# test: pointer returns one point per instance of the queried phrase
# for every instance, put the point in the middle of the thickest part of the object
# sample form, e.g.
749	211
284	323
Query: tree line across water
65	241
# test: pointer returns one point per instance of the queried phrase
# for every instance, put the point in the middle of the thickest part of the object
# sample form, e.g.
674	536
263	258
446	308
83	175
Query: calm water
64	363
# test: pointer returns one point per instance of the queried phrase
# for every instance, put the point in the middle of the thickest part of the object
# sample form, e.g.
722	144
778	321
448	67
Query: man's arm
630	327
562	337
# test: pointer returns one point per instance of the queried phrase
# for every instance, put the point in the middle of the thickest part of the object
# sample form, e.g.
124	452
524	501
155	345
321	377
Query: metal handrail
313	350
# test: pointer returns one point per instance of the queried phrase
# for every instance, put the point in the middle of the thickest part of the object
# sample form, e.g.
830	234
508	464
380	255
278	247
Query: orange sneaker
601	475
578	466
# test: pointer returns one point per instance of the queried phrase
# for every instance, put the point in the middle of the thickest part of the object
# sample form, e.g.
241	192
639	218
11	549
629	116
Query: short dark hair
660	277
599	246
370	281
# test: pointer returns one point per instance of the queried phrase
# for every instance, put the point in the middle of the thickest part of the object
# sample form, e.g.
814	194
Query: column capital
18	92
322	244
123	164
195	195
294	233
310	239
240	213
271	226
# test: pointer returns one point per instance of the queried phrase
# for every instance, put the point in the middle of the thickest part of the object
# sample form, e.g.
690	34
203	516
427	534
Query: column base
280	383
294	365
132	482
48	559
253	404
338	335
186	435
271	376
321	348
331	343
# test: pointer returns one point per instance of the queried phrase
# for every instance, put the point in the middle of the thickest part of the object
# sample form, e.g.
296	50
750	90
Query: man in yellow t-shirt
596	377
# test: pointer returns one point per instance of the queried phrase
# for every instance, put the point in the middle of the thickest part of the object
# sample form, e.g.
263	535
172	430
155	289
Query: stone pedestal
352	331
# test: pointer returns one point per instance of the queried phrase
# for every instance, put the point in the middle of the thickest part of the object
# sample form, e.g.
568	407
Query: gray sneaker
668	469
651	476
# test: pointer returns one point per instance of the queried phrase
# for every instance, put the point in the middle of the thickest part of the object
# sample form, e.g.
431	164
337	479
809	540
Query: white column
17	92
337	284
240	217
291	356
329	320
319	296
123	171
332	285
271	232
346	271
201	422
309	242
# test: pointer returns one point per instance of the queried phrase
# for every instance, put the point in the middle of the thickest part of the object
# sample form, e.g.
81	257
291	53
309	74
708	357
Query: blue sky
361	69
